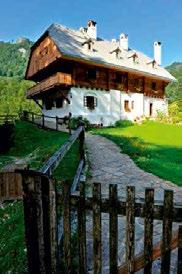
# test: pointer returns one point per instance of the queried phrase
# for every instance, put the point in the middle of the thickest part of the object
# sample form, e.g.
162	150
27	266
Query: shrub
162	117
123	123
75	121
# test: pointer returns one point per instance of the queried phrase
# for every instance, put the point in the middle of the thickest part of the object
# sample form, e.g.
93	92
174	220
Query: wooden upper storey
46	60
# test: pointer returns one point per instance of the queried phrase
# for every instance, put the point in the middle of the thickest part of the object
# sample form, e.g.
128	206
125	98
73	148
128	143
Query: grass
33	146
155	147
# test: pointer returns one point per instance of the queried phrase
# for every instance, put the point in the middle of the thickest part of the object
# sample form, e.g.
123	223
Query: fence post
97	230
66	227
113	229
69	123
130	229
33	217
43	120
57	123
179	250
25	115
82	231
49	223
148	233
167	232
81	143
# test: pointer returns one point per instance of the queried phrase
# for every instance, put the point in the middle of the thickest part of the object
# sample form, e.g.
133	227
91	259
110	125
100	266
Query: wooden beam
139	260
37	102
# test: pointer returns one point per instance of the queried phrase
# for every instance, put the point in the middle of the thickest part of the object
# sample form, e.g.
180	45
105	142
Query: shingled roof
70	43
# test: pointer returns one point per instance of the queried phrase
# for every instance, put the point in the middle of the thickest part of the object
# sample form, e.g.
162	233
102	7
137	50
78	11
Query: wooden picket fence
42	201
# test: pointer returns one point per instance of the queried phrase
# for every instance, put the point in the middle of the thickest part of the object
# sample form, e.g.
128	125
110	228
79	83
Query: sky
145	21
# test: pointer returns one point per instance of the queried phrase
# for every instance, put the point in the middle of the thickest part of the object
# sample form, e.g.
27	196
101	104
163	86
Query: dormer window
117	52
88	44
153	63
91	74
134	56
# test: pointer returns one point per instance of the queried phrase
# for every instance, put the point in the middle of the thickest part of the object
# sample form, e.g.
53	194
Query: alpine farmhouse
104	81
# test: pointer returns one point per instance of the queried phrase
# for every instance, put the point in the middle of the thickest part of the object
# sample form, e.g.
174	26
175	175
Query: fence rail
6	118
56	158
50	122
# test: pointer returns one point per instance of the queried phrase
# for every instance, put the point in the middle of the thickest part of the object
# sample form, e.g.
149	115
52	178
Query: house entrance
151	109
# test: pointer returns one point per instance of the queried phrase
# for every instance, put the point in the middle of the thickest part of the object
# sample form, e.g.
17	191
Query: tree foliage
174	90
13	96
13	58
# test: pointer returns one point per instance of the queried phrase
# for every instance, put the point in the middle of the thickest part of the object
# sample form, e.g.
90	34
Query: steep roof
70	44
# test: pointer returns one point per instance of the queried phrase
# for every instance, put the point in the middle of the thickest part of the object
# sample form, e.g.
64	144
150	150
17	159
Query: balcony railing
57	79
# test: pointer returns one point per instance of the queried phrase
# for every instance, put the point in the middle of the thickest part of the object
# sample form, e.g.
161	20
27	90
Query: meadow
155	147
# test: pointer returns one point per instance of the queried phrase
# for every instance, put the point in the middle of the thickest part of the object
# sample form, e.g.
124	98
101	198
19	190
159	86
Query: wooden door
151	109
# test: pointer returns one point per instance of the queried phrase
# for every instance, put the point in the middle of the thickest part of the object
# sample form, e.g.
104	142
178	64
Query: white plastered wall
110	106
158	105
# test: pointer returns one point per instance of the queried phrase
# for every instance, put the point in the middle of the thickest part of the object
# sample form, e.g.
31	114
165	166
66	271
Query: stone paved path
109	165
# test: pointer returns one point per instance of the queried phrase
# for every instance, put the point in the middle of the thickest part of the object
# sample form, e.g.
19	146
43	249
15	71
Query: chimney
157	52
92	29
123	41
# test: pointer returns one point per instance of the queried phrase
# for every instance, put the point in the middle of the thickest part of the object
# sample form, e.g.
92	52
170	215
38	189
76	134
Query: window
120	78
90	102
126	106
49	104
44	51
132	104
153	86
91	74
59	102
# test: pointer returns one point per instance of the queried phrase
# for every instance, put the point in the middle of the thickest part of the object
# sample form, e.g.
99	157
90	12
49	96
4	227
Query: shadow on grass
163	161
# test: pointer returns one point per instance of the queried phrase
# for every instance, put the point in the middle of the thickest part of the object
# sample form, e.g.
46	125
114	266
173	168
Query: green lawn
34	146
155	147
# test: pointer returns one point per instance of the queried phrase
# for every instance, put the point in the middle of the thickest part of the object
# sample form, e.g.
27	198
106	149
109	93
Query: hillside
174	90
13	57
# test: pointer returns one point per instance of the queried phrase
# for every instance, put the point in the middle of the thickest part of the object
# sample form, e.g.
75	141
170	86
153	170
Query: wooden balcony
58	79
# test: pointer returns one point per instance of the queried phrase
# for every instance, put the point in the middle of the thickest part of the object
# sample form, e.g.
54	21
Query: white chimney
157	52
92	29
123	41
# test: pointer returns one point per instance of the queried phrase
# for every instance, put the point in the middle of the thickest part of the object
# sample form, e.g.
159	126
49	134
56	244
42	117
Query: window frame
92	105
127	106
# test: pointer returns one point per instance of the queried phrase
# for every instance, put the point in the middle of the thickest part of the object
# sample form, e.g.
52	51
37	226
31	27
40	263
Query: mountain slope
14	57
174	90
